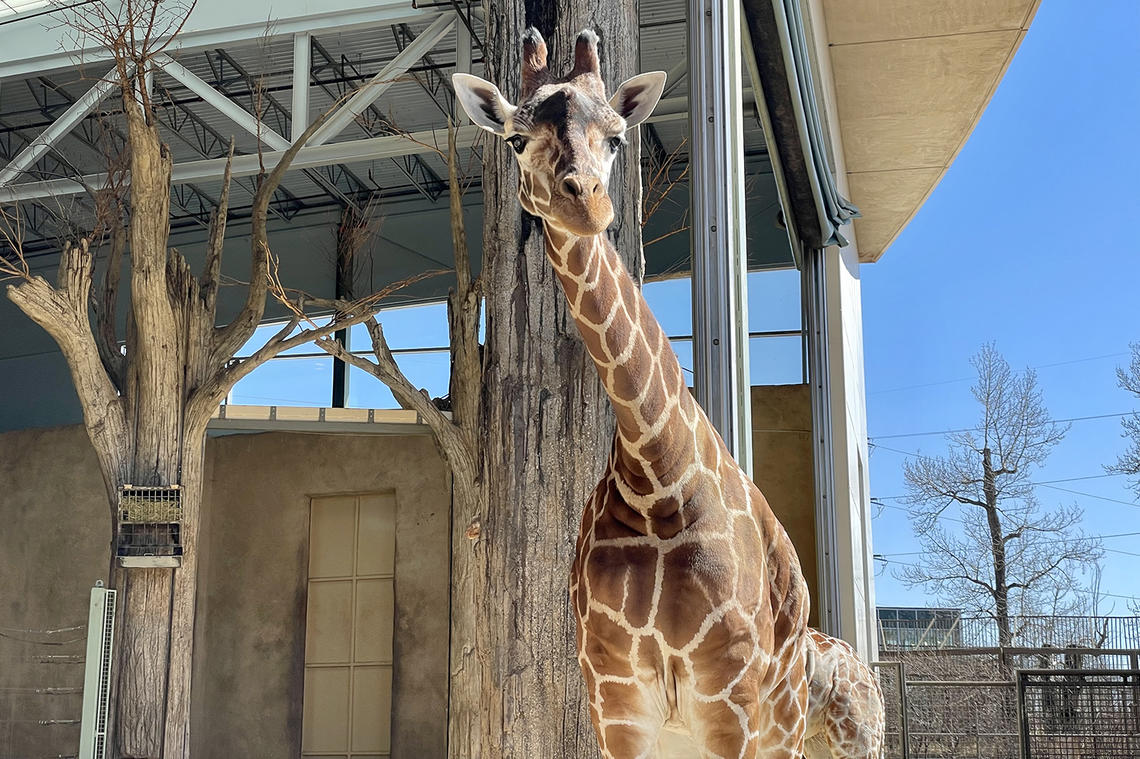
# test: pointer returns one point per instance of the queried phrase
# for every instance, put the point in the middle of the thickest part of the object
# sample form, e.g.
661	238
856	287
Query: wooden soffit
912	78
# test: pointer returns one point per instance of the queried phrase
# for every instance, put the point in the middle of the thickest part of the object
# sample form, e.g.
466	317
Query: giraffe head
564	131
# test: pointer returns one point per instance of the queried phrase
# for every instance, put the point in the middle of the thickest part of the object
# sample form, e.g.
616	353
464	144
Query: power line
1049	484
967	379
1134	504
1043	542
1041	482
978	429
886	562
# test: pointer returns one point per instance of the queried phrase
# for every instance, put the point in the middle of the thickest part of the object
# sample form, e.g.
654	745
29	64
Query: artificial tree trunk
146	410
545	431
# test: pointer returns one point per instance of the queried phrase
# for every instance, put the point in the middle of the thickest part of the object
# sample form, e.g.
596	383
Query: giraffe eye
518	142
615	143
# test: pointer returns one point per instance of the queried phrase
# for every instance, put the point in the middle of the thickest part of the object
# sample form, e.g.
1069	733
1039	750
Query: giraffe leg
857	734
854	728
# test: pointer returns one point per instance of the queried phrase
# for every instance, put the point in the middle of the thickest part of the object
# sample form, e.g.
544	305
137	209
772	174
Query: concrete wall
783	468
251	619
55	538
252	615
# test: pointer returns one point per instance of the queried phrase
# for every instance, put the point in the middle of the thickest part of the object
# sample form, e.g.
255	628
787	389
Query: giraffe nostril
571	187
594	186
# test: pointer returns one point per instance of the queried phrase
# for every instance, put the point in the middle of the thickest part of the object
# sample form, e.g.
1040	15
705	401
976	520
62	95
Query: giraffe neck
661	432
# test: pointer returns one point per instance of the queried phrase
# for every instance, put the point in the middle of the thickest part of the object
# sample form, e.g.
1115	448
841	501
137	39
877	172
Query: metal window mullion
814	287
720	321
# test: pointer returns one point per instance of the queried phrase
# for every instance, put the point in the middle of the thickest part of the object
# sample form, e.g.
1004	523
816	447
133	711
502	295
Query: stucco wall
783	468
252	615
54	544
247	689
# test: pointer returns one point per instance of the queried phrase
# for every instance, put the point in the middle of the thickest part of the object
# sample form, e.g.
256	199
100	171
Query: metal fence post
904	712
1022	715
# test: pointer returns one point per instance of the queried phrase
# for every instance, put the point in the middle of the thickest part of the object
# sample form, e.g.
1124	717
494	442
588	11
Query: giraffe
691	606
846	718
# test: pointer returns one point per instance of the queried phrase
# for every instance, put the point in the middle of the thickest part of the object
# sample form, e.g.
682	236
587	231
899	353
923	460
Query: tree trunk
157	643
997	548
546	431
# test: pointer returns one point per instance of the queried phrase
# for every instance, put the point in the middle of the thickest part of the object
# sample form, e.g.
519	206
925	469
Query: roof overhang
911	79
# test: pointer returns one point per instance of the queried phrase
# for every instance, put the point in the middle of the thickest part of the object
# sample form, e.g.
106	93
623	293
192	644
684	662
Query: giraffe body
690	602
846	719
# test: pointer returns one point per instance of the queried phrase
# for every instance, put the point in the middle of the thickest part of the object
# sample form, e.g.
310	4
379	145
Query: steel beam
214	146
375	148
223	104
376	86
389	146
302	68
377	124
60	127
237	24
463	45
427	76
720	303
189	198
326	177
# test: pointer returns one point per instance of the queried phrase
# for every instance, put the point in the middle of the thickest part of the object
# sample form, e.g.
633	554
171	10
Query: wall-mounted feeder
149	526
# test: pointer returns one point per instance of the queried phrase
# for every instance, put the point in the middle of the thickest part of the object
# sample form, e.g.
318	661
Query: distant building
905	628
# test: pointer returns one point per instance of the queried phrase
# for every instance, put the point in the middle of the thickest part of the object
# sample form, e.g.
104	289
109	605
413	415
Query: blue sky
1030	241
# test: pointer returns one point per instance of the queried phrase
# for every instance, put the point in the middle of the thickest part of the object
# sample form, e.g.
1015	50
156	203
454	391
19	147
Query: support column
826	597
302	66
343	288
720	302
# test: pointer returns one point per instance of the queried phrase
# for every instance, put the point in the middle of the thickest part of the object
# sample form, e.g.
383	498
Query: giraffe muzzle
582	186
581	204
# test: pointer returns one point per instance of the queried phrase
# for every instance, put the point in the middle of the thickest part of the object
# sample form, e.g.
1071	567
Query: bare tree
988	547
146	402
1129	461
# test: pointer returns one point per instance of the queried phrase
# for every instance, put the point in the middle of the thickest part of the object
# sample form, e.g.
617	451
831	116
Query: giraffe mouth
584	217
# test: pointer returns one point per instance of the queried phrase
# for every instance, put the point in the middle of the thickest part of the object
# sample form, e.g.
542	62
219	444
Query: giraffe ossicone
691	606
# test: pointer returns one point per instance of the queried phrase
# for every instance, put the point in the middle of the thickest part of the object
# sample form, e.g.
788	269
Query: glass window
684	350
430	371
262	334
774	300
287	382
423	326
776	360
671	301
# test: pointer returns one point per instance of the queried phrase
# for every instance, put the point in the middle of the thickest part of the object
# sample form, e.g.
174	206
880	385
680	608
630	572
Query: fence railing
998	704
1074	714
947	631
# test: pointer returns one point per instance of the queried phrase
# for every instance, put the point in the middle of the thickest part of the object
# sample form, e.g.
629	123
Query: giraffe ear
484	103
638	96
